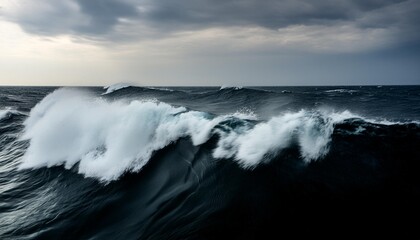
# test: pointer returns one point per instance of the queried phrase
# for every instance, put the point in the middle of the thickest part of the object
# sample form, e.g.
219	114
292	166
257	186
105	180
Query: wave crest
115	87
341	91
311	131
107	139
7	112
230	87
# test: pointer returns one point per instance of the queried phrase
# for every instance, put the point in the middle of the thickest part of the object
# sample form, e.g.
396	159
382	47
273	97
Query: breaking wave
341	91
105	139
204	163
231	87
115	87
7	112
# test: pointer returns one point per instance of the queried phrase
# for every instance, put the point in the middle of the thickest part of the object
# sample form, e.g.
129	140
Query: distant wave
230	87
160	89
235	90
341	91
7	112
107	139
114	87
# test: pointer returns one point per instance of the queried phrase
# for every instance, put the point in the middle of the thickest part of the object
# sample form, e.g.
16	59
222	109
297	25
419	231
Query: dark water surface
207	163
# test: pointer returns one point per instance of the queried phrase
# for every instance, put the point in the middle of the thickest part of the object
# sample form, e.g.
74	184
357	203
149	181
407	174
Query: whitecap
115	87
109	138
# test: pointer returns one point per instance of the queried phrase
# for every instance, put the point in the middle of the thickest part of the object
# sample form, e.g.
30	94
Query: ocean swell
105	139
115	87
7	112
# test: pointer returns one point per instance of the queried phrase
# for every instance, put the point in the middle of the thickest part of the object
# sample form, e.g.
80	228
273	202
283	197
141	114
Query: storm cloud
211	42
267	13
106	18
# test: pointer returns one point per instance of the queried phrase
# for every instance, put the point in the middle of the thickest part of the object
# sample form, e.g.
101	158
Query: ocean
207	162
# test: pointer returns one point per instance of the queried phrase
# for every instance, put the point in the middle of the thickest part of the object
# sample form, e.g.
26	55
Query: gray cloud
267	13
50	17
104	14
100	18
403	18
202	42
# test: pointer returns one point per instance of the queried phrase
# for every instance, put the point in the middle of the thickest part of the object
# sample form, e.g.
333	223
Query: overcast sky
209	42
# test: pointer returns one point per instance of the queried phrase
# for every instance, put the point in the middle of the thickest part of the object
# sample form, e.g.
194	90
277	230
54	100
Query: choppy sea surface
206	163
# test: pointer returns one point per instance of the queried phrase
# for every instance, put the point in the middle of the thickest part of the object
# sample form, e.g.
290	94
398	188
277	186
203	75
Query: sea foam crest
311	131
115	87
107	139
230	87
341	91
4	113
7	111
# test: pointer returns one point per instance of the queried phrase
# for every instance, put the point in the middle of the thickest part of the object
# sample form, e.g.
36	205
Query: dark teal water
295	160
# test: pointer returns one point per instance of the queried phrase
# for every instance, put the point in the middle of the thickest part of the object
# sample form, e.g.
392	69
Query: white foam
246	114
341	116
106	138
4	113
109	138
160	89
230	87
311	131
114	87
7	111
341	91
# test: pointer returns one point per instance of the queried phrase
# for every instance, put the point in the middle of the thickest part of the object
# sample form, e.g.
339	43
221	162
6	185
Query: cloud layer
359	23
210	42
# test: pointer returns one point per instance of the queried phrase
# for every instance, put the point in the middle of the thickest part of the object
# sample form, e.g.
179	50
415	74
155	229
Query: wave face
204	163
107	139
7	112
115	87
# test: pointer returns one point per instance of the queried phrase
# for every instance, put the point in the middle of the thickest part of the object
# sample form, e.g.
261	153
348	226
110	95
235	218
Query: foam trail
341	91
107	139
160	89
